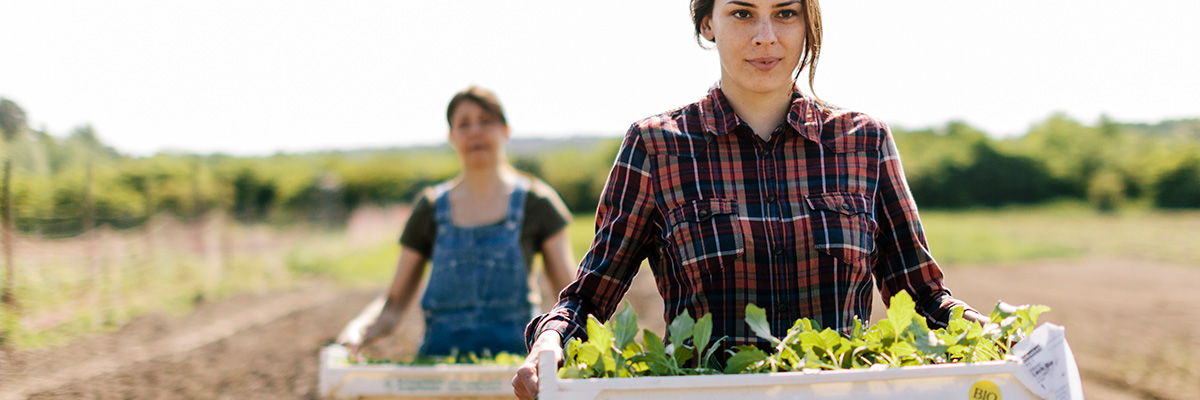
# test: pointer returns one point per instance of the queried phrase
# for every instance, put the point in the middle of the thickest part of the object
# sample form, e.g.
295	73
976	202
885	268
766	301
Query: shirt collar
717	116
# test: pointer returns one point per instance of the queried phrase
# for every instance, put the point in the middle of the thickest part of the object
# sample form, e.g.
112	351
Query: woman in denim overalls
478	295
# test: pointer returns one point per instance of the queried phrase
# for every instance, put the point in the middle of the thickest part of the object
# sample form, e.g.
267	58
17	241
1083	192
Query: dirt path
125	364
1134	326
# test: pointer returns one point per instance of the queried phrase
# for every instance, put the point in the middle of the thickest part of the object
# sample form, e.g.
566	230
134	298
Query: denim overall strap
515	215
477	295
441	205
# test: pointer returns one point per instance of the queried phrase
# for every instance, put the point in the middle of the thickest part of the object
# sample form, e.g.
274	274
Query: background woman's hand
525	384
365	327
351	335
352	338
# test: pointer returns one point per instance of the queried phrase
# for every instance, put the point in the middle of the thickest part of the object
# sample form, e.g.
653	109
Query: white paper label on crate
1047	356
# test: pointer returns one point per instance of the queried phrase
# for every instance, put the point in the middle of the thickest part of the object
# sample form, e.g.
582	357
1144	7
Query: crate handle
547	376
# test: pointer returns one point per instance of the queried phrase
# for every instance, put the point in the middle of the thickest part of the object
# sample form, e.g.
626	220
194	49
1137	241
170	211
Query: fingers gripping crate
341	379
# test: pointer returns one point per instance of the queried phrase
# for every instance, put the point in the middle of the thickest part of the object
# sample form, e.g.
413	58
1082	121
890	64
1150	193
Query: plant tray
984	381
1041	366
341	379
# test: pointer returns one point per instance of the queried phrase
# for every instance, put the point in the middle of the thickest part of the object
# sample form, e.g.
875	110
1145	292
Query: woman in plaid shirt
756	194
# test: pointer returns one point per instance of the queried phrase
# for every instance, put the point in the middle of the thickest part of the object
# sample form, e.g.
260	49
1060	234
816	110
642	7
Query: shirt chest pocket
705	234
842	226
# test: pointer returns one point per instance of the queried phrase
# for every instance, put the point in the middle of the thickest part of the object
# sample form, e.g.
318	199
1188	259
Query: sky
266	76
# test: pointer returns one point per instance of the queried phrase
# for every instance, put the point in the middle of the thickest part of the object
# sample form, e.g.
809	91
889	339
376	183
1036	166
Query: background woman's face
477	135
759	42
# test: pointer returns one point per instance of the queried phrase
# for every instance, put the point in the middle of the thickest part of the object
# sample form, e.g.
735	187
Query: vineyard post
89	206
10	307
225	246
12	122
197	196
197	222
9	298
90	237
148	230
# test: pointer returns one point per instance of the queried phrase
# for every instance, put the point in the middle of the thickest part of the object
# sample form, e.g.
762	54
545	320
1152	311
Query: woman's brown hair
483	97
812	34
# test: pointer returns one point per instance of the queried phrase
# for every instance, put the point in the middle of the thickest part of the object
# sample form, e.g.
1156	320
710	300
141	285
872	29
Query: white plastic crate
1004	380
1046	370
1048	355
341	379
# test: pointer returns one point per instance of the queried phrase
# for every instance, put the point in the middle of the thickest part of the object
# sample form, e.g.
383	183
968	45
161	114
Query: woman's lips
764	63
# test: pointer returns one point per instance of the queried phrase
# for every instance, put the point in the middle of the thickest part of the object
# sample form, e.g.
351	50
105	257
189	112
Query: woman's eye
788	14
740	14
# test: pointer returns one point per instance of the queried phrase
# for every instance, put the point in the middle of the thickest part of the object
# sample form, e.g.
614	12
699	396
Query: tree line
1108	165
66	185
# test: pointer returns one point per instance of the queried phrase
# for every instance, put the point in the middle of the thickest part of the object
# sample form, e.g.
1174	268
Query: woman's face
477	135
759	42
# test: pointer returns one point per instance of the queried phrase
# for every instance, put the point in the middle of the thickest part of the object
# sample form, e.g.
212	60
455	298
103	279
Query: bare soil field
1134	327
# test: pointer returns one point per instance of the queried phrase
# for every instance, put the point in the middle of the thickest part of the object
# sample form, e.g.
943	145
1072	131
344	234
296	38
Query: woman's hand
351	336
525	384
383	314
975	316
359	330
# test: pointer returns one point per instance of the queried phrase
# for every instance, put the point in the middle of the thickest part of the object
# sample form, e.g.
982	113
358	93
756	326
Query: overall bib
477	295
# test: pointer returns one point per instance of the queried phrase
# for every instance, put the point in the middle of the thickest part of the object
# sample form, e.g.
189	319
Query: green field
1014	235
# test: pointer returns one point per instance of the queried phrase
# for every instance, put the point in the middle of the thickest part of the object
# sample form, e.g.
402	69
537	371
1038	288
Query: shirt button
703	213
846	206
783	308
771	198
778	250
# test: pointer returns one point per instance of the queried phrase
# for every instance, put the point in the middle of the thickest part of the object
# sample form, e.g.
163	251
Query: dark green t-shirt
545	216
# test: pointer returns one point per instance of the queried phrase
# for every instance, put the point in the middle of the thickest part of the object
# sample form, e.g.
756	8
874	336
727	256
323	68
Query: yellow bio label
984	390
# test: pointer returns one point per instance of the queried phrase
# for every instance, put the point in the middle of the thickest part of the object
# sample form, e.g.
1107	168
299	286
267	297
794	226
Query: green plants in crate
902	339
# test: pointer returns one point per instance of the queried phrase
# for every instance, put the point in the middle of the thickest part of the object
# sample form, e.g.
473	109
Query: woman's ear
706	29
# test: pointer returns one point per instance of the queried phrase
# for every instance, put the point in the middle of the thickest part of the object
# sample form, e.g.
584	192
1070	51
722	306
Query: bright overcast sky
256	77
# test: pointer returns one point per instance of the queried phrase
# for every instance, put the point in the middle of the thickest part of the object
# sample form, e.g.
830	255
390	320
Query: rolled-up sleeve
903	260
625	227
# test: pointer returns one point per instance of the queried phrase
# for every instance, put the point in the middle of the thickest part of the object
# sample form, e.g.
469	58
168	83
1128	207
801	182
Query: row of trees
1109	165
62	186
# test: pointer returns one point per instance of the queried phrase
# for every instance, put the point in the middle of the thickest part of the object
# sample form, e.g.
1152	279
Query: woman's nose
765	33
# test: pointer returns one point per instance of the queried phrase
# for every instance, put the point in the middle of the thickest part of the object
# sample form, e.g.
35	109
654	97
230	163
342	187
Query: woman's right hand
352	338
352	334
525	384
366	326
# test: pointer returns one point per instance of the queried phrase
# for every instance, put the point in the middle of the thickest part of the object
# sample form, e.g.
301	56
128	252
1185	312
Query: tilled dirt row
234	358
1134	325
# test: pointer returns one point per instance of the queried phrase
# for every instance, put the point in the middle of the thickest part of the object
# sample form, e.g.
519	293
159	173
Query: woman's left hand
975	316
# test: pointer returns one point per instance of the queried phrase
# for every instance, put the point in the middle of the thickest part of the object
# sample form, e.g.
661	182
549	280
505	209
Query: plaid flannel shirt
800	225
